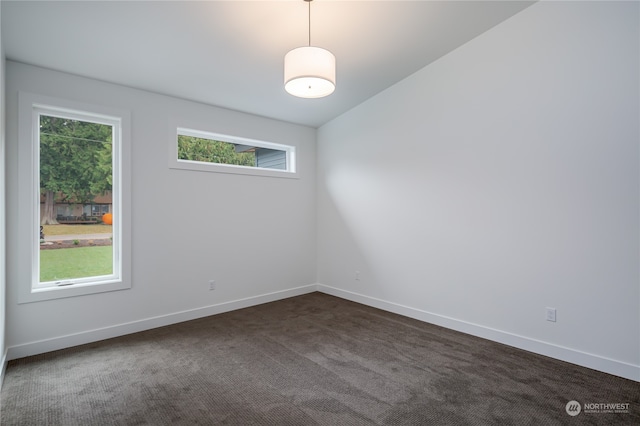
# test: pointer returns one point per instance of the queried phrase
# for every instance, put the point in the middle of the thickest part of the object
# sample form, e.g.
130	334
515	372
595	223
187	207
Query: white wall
3	351
254	235
498	181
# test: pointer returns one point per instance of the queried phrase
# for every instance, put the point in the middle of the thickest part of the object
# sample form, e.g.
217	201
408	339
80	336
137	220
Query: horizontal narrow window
198	150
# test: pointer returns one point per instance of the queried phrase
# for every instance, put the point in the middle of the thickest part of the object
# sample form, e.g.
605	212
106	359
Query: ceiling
230	53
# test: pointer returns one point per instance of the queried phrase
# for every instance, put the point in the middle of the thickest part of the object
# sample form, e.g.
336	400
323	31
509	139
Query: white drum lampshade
309	72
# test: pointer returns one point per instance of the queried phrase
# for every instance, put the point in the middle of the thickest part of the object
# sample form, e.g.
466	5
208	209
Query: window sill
79	289
238	170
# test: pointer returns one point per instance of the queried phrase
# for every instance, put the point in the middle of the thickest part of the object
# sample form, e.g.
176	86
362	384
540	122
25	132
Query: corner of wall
3	350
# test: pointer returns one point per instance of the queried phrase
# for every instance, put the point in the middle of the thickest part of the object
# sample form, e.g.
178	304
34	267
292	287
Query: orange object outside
107	219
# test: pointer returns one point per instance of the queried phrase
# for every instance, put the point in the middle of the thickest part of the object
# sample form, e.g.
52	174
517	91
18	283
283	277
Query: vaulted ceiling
230	53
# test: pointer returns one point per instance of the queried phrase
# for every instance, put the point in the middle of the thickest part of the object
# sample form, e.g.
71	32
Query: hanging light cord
309	1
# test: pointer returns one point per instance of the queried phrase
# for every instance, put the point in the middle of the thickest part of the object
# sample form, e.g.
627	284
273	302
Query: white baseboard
3	368
606	365
595	362
62	342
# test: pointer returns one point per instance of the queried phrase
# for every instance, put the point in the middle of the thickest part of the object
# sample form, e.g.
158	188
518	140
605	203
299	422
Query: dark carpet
308	360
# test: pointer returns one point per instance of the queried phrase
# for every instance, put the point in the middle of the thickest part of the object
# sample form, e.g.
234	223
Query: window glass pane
75	167
211	151
263	155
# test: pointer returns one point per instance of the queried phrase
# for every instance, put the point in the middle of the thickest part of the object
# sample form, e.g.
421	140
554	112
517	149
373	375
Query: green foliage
210	151
77	262
75	158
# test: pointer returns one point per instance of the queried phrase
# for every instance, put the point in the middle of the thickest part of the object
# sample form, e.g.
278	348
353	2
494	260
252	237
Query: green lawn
60	264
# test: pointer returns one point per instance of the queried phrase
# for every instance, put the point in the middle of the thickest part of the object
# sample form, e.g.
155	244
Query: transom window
204	151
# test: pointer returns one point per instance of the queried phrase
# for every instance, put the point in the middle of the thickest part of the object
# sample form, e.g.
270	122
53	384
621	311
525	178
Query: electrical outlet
551	314
357	276
212	285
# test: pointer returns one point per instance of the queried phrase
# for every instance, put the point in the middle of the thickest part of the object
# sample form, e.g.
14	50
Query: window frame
175	163
31	107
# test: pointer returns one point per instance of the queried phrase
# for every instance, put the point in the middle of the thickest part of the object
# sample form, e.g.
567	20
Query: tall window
75	157
75	219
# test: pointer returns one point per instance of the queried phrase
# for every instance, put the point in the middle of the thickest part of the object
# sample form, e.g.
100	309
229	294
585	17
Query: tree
75	162
211	151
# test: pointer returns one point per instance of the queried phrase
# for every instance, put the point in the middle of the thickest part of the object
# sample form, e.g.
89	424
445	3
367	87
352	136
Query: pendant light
309	72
